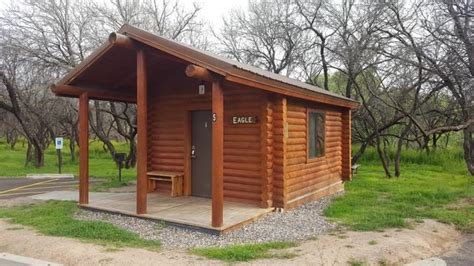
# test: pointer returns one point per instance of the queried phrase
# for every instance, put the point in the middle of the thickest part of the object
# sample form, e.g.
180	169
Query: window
316	130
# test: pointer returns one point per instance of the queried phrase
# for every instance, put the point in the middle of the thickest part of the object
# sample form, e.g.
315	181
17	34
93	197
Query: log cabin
209	127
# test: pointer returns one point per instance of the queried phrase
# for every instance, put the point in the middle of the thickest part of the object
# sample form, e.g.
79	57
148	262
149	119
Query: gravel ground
297	224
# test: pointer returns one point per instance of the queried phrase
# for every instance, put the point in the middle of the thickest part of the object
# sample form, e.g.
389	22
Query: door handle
193	152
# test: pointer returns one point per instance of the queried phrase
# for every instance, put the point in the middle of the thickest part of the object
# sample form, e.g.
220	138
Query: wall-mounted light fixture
201	88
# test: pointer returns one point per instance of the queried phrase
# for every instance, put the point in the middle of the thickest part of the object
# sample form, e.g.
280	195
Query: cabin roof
233	71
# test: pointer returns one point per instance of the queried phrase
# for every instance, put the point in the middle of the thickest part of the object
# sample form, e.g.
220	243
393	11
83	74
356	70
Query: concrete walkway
71	195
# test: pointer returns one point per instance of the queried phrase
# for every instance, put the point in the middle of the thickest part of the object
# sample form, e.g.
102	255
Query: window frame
319	157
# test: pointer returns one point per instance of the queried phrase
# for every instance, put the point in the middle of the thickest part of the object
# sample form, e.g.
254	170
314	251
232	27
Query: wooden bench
354	168
176	180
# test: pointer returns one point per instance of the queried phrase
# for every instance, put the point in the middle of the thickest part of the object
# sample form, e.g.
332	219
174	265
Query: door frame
187	190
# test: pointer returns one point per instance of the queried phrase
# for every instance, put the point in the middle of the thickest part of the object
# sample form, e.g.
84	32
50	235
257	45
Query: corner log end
121	40
201	73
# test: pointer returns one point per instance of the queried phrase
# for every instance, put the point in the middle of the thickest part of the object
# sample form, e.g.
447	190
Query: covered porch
187	211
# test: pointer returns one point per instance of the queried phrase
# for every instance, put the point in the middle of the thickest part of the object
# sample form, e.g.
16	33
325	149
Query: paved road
464	256
21	187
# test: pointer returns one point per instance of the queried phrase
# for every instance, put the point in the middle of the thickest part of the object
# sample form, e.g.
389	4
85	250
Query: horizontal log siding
168	106
306	176
243	179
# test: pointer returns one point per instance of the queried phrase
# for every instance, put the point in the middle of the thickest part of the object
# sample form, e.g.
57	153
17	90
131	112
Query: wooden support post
142	149
346	145
84	148
217	155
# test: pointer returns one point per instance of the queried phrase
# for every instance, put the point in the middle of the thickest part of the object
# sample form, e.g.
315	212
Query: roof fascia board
312	96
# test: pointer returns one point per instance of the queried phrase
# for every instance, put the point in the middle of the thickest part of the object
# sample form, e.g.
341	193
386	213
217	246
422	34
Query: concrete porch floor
183	211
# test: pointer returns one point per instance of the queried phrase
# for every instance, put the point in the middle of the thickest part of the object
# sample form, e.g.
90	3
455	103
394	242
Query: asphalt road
22	187
464	256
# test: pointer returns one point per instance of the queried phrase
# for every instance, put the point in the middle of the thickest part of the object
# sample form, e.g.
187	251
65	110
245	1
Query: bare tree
265	36
54	36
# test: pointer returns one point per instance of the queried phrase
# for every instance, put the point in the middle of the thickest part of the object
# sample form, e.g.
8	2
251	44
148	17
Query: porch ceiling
115	71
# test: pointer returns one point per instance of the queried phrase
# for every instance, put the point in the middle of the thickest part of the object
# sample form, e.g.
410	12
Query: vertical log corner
346	145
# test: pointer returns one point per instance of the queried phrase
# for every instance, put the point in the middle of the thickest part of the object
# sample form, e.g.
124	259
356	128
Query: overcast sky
213	10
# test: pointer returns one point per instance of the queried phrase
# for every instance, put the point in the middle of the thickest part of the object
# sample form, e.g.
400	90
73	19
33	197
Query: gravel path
301	223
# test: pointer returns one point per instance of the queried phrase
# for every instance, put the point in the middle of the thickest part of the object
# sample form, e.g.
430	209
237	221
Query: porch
186	211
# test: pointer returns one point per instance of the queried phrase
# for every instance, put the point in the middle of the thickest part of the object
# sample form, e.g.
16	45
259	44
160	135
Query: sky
213	10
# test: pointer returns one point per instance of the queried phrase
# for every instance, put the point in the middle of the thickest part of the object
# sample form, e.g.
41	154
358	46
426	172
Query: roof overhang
230	71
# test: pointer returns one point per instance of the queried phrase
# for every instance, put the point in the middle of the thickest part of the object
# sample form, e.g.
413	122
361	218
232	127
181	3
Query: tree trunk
324	63
29	155
349	87
426	144
38	155
72	149
447	141
469	148
382	157
435	140
132	155
398	153
360	152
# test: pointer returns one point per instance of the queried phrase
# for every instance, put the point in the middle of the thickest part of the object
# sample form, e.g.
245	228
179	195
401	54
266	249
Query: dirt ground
392	246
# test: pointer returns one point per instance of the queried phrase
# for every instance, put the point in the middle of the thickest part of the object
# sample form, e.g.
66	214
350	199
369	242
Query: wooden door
201	155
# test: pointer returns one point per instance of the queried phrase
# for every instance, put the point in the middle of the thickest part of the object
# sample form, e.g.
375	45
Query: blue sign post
59	146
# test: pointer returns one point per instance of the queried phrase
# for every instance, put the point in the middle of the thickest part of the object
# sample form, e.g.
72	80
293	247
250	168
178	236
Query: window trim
322	156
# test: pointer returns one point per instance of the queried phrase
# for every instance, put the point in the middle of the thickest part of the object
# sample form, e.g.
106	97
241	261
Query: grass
437	189
355	262
56	218
101	164
372	242
100	161
239	253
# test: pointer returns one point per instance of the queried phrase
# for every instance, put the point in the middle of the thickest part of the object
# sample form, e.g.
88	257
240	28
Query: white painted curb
434	261
15	259
46	176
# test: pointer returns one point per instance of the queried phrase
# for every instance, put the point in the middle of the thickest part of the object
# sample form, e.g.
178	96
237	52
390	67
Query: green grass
451	157
435	186
56	218
246	252
355	262
100	163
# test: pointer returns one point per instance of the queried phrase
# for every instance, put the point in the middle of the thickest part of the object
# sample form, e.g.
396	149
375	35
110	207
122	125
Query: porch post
83	148
142	154
217	155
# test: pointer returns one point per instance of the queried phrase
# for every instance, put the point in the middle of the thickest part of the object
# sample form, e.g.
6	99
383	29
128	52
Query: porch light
202	88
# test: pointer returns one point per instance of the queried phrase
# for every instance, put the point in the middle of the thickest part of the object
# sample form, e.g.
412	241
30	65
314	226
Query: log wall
170	105
308	179
242	146
264	163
